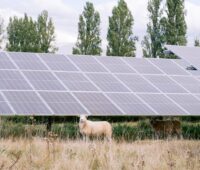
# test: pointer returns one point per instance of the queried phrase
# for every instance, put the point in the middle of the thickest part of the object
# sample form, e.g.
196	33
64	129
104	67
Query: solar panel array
190	56
53	84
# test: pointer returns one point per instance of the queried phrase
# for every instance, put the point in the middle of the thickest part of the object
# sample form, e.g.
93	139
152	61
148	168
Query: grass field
46	154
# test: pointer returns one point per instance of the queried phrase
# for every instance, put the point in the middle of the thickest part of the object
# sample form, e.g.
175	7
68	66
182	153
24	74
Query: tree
175	23
46	33
121	41
196	43
22	34
1	32
27	35
88	41
153	41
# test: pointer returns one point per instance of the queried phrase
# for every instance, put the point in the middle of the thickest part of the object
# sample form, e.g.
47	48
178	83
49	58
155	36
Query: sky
65	15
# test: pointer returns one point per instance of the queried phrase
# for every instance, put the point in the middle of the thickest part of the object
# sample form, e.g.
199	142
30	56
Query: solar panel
26	103
5	63
43	80
184	64
168	67
188	83
162	104
12	80
131	104
54	84
58	62
142	66
63	103
27	61
98	104
165	84
189	54
137	84
87	64
115	65
76	81
188	102
4	108
107	82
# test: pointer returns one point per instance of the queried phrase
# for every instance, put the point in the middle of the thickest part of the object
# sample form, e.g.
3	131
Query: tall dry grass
50	153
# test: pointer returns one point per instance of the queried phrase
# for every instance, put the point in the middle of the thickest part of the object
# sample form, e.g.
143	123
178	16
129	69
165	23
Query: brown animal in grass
166	127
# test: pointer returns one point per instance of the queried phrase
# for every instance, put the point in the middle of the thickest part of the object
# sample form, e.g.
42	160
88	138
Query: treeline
166	25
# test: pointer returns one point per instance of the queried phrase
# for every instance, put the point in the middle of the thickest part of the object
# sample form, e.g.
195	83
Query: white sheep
95	128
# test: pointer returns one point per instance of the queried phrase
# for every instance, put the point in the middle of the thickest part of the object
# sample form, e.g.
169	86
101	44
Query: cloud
65	14
192	19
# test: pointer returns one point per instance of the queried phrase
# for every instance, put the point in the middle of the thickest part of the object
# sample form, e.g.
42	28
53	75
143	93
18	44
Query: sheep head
83	119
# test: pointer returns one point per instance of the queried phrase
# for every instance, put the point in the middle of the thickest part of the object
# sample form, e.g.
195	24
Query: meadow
56	154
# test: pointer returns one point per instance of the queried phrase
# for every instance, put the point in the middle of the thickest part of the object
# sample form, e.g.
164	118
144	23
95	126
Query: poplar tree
176	27
121	41
46	33
154	39
88	41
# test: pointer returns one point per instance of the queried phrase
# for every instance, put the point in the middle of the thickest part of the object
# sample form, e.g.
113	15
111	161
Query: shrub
191	131
121	131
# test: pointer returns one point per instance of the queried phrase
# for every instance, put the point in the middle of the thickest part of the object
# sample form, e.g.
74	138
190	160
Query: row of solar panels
66	103
46	84
129	65
190	55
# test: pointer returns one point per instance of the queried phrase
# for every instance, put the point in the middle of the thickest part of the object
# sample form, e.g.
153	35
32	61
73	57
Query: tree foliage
46	33
27	35
88	42
176	27
196	43
121	41
154	39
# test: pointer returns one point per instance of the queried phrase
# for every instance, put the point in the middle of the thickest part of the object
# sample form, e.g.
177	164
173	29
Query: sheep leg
108	138
86	138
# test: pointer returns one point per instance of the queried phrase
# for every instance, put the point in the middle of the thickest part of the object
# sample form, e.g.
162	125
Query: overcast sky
65	14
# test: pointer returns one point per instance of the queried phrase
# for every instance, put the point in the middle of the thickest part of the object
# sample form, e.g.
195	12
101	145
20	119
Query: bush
191	131
121	131
66	131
